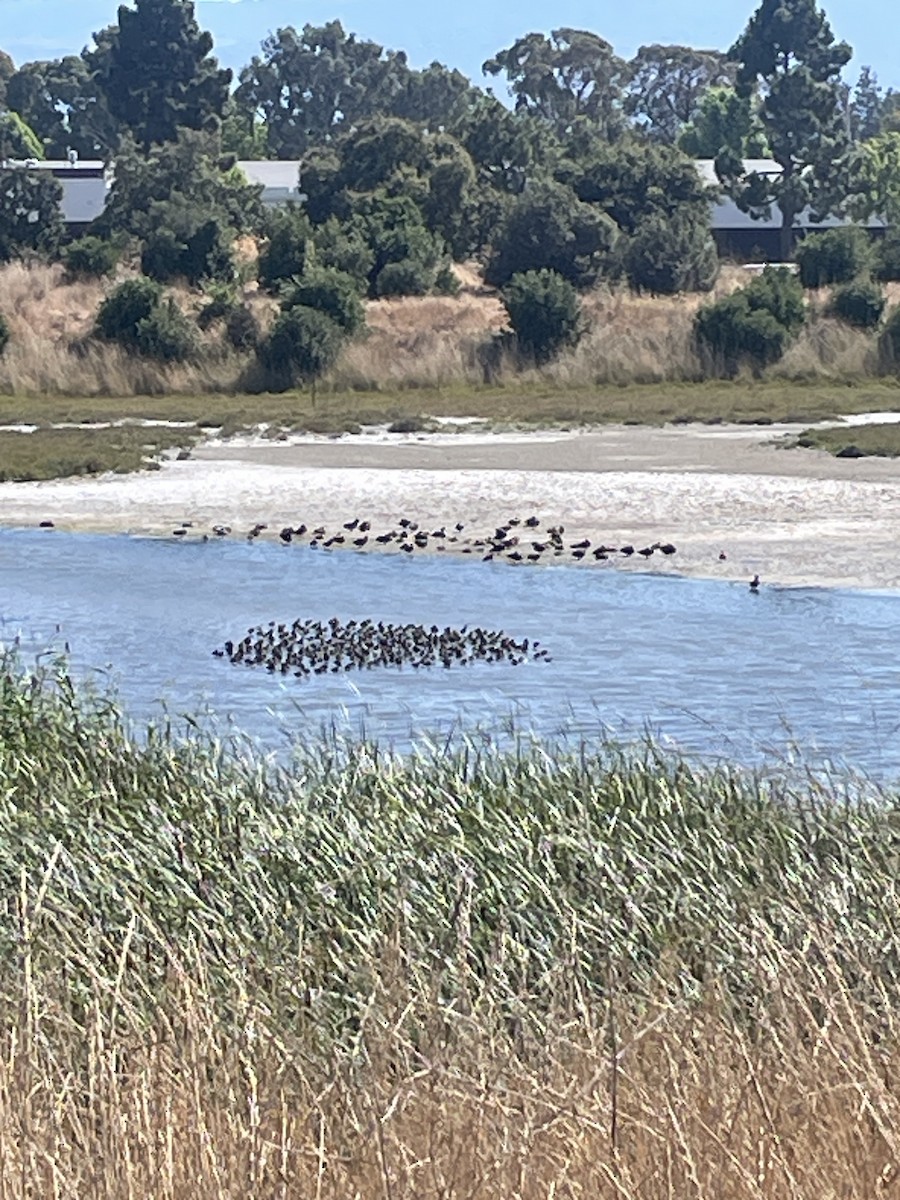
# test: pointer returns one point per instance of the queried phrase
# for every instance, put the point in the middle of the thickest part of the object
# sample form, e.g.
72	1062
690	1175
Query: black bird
646	552
627	551
351	524
667	548
754	584
532	522
286	534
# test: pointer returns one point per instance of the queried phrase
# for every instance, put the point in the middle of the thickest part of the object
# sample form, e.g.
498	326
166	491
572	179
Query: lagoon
704	665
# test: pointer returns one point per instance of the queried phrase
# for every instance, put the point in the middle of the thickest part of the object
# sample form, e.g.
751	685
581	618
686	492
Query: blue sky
461	33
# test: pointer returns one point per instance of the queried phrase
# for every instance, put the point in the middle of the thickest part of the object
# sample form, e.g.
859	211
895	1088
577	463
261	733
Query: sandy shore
793	516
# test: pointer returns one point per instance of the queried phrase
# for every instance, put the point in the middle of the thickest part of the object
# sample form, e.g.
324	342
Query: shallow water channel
706	665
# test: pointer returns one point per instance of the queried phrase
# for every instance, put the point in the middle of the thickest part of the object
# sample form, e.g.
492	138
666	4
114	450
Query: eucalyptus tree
667	84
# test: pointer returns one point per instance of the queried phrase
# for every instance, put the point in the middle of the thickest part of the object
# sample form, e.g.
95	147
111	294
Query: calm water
703	664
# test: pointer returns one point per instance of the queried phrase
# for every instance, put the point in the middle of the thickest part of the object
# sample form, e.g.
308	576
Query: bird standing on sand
754	584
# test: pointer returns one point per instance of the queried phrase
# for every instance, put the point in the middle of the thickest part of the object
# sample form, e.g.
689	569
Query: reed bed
459	973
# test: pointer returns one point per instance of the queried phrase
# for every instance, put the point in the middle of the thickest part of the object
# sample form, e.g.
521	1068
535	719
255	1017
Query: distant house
738	235
85	183
280	179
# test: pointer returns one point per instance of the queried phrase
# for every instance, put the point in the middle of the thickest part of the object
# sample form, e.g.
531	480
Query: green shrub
4	333
302	345
860	304
91	257
544	312
755	324
835	256
289	250
203	254
242	329
671	255
220	305
887	257
889	344
166	334
446	282
332	292
409	277
124	308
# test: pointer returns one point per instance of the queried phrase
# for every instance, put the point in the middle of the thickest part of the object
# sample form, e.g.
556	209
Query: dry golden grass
413	343
680	1101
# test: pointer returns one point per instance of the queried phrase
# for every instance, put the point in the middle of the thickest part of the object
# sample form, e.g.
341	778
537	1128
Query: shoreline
795	517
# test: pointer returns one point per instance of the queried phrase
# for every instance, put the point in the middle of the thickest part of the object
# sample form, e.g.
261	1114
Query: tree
437	97
755	324
332	292
875	179
788	45
571	74
667	84
544	312
7	70
725	126
307	86
61	102
633	180
157	73
18	140
548	227
302	345
673	254
865	107
833	256
30	215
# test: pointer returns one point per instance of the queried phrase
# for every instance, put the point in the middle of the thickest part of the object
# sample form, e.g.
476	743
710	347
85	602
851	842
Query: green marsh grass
56	453
546	973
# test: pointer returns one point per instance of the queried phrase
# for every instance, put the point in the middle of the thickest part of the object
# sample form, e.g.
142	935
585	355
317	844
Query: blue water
705	665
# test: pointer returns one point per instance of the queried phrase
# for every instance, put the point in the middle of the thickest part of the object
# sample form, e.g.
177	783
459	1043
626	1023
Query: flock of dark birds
307	648
516	540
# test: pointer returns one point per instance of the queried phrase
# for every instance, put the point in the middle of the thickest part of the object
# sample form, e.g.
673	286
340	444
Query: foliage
403	277
309	85
446	282
91	257
755	324
7	70
4	333
667	85
833	256
866	107
886	252
18	140
166	334
544	312
242	328
178	186
157	74
124	308
875	179
860	303
671	255
30	217
724	127
199	252
890	340
289	249
569	75
331	292
549	227
788	46
61	102
300	347
632	181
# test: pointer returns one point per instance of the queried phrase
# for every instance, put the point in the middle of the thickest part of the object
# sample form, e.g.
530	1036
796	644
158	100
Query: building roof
273	174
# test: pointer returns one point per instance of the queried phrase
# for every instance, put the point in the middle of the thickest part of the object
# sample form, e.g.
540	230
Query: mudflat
794	516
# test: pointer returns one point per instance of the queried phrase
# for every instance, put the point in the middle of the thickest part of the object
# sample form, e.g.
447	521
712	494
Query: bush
302	344
331	292
671	255
544	312
446	282
860	304
220	305
835	256
242	328
91	257
4	333
203	254
409	277
548	227
166	334
124	308
890	340
755	324
289	251
887	257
